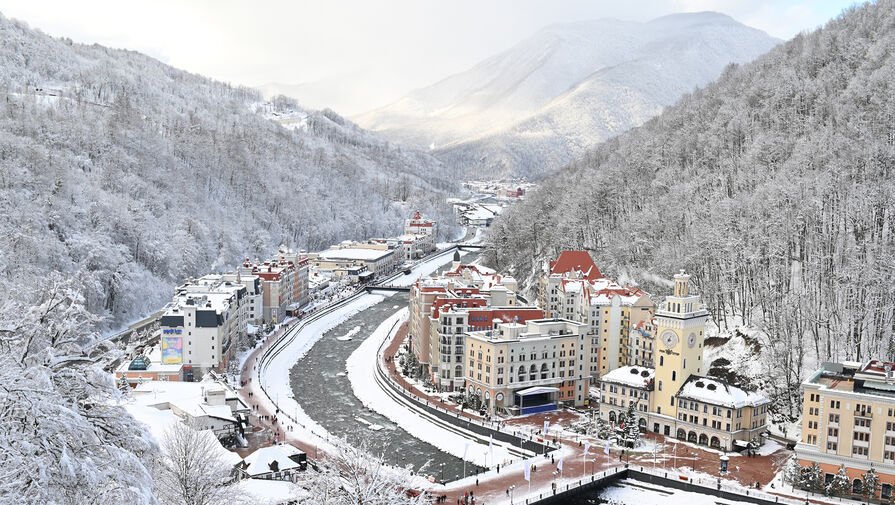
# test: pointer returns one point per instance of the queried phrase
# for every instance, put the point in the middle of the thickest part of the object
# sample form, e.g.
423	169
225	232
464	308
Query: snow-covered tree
354	476
839	485
870	483
812	478
792	472
64	439
191	470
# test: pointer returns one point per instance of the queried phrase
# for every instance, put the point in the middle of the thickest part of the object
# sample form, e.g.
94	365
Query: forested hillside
773	186
540	104
130	175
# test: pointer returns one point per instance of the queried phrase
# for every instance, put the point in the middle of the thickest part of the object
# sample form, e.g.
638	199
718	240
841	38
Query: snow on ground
347	336
632	492
294	345
361	372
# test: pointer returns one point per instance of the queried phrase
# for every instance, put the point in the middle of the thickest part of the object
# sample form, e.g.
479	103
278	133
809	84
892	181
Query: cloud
395	45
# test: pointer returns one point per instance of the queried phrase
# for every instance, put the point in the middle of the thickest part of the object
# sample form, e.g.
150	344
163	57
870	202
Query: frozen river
324	392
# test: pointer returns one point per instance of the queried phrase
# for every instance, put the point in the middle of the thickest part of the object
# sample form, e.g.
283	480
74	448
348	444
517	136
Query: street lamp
442	473
512	489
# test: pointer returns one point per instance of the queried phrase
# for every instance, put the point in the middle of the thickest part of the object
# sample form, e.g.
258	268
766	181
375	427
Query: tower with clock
680	328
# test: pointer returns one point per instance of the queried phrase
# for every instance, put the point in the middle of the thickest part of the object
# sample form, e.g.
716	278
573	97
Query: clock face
691	340
669	338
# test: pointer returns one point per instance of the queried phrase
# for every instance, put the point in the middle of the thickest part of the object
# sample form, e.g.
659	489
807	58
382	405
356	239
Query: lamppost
554	480
442	472
512	489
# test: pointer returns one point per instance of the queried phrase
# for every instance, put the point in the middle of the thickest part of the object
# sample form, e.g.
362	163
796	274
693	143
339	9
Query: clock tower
680	332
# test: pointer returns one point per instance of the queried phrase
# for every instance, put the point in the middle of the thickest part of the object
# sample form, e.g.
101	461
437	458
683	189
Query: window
673	375
660	385
834	418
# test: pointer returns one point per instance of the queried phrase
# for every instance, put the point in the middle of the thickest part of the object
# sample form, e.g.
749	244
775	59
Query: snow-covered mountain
539	104
130	175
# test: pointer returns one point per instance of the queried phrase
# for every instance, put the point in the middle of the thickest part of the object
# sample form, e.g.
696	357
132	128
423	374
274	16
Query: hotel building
848	419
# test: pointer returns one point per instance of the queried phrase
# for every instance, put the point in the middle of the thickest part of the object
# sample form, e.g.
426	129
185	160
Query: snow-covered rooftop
717	392
352	253
635	376
259	462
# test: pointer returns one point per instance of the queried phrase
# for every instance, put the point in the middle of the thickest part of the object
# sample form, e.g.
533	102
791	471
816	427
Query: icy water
328	398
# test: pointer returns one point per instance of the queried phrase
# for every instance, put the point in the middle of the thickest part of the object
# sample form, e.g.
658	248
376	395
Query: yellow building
680	333
674	399
848	419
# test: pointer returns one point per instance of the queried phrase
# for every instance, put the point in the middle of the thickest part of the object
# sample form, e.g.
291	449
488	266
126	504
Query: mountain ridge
464	116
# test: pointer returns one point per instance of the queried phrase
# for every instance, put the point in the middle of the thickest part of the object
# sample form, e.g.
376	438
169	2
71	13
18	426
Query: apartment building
674	397
526	368
284	283
201	324
848	419
573	287
451	319
443	308
418	225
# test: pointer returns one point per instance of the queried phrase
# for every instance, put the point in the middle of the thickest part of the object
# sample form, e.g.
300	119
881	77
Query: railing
666	478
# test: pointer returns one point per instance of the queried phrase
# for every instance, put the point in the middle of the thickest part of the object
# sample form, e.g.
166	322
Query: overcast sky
364	53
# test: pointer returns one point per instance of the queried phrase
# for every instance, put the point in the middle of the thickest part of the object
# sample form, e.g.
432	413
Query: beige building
676	400
527	368
572	287
848	419
444	308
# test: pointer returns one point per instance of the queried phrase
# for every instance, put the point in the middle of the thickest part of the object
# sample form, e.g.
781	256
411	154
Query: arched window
857	487
544	371
458	371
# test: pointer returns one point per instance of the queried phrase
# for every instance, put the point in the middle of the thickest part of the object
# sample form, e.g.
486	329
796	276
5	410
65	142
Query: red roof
576	260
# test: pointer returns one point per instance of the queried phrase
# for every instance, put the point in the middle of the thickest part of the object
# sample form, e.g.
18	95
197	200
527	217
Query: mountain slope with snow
536	106
130	175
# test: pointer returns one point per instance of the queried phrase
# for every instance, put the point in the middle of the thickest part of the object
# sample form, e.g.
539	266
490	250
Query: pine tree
631	430
792	473
840	484
812	478
871	483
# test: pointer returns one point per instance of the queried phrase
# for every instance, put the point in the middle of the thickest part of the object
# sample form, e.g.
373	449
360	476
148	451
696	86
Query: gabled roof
717	392
580	261
259	462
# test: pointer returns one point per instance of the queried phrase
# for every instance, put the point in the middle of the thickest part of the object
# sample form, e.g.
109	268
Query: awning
537	390
741	443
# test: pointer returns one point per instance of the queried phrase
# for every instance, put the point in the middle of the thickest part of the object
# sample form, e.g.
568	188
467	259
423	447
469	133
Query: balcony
864	413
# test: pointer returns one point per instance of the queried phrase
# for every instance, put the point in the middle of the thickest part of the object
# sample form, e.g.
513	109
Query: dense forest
773	186
130	175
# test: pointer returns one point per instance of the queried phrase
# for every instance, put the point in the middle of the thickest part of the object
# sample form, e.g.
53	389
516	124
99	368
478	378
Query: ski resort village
586	253
584	386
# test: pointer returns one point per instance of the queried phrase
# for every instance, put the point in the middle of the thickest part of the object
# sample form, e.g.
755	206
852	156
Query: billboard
172	350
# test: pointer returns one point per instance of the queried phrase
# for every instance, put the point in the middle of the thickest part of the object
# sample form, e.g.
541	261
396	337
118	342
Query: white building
201	324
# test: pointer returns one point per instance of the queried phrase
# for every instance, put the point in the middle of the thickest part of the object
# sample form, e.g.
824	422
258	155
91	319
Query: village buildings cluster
200	326
468	330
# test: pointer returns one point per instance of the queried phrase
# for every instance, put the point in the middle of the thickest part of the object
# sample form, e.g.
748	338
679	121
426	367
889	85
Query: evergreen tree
813	478
871	483
630	428
840	484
